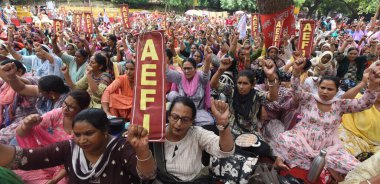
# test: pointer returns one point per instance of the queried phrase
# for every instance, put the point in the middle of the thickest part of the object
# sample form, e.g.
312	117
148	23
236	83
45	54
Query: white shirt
187	160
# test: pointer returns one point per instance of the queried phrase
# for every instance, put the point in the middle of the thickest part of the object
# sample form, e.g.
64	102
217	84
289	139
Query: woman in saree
245	105
92	156
14	106
321	116
54	126
118	97
193	84
49	93
95	80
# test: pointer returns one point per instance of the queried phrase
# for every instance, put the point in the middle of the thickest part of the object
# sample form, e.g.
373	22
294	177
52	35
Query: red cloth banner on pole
149	105
277	33
268	23
125	16
255	24
88	23
78	21
57	25
305	42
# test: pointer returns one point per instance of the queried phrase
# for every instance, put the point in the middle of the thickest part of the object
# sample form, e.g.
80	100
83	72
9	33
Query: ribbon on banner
305	42
255	24
125	16
268	23
149	106
57	25
277	33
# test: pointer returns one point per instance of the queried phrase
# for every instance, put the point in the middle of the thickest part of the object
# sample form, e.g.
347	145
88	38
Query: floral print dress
317	130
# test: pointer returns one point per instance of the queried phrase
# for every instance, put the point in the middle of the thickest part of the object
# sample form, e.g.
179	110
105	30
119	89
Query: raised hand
32	120
138	138
374	77
298	66
9	70
220	110
9	46
225	63
208	53
269	69
89	71
65	70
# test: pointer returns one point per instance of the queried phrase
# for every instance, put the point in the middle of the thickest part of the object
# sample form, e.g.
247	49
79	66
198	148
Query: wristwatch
221	127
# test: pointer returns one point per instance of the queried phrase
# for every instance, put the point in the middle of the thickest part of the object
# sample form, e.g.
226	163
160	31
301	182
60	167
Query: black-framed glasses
68	107
184	120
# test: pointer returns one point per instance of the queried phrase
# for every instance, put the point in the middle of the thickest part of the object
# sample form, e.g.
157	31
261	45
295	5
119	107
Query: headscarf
75	46
242	104
326	65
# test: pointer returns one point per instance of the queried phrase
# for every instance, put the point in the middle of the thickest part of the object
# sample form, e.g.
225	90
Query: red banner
125	16
57	25
78	21
149	105
255	24
268	23
88	23
277	33
305	42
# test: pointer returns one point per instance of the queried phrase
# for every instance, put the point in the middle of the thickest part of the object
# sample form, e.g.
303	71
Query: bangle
146	159
368	182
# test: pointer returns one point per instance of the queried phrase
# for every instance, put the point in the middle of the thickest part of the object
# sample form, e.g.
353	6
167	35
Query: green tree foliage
136	2
233	5
352	8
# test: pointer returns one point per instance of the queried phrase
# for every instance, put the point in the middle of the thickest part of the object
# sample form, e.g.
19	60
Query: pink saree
49	131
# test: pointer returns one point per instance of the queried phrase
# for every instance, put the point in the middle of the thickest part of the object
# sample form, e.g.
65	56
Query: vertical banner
277	33
255	24
149	105
88	22
78	21
268	24
125	16
58	25
305	42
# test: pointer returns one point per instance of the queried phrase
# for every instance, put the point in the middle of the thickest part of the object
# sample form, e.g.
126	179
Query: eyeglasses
68	107
184	120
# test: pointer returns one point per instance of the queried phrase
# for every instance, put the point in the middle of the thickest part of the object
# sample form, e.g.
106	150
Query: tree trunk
273	6
313	8
354	11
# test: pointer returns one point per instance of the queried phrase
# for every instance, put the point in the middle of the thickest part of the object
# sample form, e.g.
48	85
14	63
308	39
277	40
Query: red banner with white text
305	41
268	23
124	10
149	104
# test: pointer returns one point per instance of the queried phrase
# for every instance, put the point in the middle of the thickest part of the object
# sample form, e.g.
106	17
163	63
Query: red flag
255	24
268	24
125	16
305	42
149	106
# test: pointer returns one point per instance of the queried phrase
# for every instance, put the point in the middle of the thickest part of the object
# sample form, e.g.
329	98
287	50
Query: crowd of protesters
60	90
